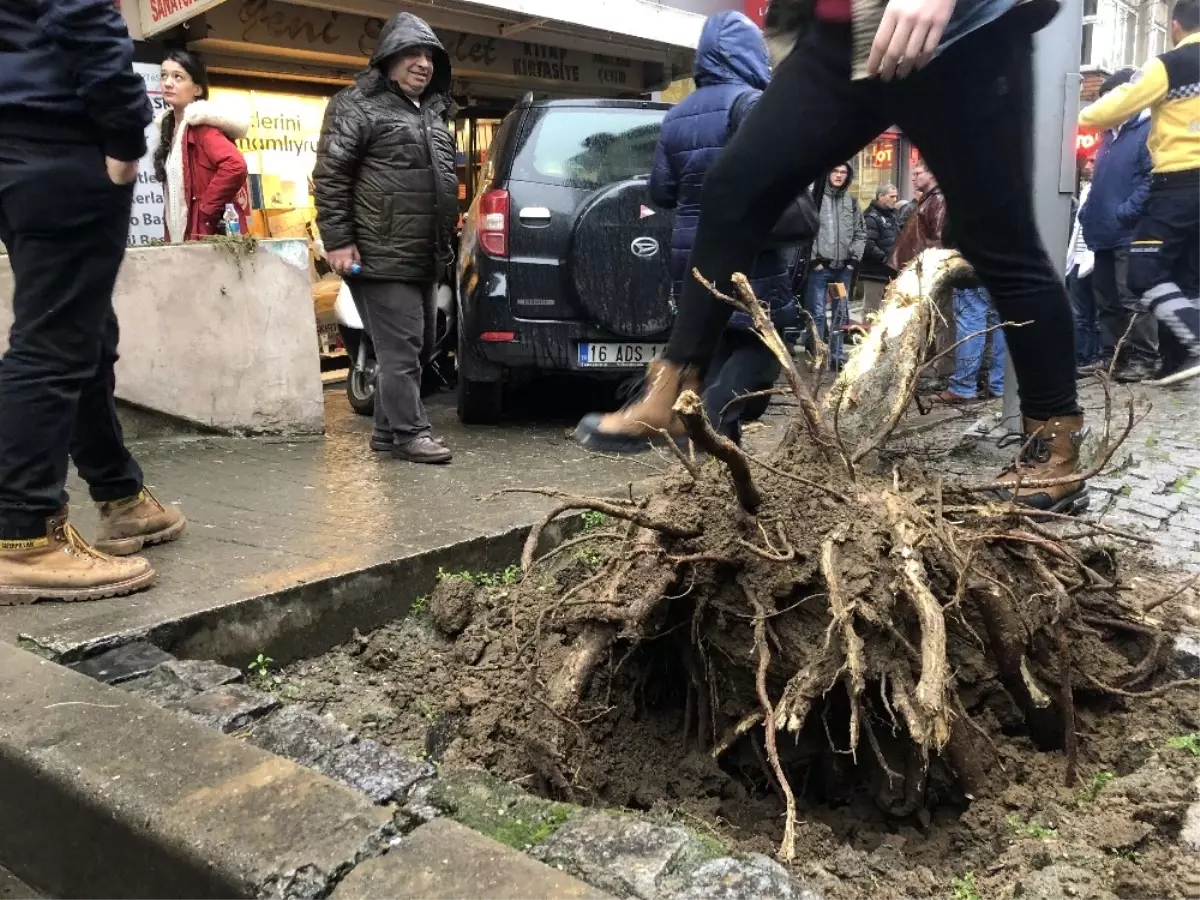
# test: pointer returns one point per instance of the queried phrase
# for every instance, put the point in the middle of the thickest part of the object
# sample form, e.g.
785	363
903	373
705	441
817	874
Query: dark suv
563	261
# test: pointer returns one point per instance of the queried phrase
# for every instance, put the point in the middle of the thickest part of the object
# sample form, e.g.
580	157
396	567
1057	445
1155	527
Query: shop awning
493	49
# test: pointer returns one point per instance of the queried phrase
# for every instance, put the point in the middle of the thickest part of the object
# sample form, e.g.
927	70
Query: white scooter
439	370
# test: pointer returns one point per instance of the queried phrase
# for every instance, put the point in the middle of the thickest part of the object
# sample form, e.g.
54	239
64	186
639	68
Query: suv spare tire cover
619	260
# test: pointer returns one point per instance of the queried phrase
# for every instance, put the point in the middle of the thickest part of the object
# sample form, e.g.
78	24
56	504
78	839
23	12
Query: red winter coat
214	171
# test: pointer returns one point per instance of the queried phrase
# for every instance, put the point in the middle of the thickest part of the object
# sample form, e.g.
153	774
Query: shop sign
309	30
882	154
756	10
1087	141
147	216
160	15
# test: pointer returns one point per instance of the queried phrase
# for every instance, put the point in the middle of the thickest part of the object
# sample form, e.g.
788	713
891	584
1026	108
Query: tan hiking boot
126	526
1051	451
634	427
62	566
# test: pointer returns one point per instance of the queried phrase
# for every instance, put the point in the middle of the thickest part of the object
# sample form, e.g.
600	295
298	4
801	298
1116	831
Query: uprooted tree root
815	604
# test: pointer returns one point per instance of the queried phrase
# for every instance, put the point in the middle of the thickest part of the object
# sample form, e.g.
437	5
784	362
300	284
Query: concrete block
620	854
162	687
230	708
380	773
122	663
219	339
299	735
447	861
117	798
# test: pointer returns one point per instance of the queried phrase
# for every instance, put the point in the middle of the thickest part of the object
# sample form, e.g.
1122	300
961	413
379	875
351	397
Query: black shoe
381	444
1134	371
422	450
1175	371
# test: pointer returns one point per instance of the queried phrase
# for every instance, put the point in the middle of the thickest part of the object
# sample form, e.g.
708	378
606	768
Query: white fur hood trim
205	112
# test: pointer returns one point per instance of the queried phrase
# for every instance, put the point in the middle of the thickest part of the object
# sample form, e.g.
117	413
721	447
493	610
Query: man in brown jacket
924	228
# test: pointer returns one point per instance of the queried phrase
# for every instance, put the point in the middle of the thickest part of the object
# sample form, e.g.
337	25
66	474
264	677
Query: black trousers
1164	261
1116	305
65	226
742	365
402	320
971	114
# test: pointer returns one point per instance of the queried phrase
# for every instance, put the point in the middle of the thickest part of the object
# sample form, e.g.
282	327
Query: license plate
617	355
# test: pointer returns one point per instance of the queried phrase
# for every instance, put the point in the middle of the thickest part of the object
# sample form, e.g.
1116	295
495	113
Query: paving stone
299	735
378	772
1149	510
202	674
1124	518
162	687
447	861
619	854
1185	662
1167	502
230	708
1189	835
732	879
122	663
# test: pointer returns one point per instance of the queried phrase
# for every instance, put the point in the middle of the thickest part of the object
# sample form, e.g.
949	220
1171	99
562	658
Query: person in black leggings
970	111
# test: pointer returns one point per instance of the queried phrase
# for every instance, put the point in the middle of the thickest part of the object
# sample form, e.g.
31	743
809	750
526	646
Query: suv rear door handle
534	214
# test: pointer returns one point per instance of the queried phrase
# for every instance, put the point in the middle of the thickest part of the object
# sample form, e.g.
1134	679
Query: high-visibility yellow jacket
1170	86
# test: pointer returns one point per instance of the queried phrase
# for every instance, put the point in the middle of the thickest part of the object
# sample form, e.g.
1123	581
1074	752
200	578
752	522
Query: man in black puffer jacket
883	226
386	192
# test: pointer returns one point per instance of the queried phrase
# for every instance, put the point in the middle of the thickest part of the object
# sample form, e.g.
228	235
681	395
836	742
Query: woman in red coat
197	163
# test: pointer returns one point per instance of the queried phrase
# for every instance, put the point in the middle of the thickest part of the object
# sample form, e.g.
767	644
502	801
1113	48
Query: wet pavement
267	513
13	889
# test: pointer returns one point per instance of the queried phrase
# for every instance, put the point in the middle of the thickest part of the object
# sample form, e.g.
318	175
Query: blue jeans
815	292
1088	346
973	312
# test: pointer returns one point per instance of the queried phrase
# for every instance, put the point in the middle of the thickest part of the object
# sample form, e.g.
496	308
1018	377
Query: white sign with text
146	219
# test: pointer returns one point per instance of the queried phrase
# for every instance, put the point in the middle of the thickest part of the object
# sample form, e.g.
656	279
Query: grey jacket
843	234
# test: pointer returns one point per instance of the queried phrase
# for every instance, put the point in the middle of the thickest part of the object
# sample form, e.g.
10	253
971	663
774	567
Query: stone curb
107	795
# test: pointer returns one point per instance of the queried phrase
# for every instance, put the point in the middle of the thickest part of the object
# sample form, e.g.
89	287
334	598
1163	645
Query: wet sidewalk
266	513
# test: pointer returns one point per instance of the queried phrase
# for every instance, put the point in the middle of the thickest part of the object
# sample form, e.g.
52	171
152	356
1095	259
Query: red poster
756	10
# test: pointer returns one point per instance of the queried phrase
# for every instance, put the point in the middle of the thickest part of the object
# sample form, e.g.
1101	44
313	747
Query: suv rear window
590	147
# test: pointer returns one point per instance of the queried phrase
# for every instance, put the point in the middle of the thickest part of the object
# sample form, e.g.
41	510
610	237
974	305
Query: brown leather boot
62	566
634	427
1051	451
127	526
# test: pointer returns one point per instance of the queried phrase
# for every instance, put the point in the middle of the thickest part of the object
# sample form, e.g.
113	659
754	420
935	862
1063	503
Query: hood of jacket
731	51
231	122
404	31
837	192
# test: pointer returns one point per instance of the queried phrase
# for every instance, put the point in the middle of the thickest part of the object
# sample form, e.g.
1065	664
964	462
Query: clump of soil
894	681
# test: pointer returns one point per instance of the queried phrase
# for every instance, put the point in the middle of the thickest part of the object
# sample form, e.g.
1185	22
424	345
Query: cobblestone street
1151	486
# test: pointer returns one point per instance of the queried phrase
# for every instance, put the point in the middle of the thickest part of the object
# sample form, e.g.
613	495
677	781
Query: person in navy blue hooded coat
732	69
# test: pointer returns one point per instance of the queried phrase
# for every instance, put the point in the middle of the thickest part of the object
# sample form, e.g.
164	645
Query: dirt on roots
899	685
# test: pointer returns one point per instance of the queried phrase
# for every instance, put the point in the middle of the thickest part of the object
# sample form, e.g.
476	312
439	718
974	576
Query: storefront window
280	150
877	164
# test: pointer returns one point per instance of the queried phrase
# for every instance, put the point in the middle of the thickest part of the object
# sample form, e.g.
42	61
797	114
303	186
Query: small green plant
420	603
1127	853
1151	442
964	887
425	709
1181	482
260	666
1188	743
593	520
1029	829
1092	789
504	578
1125	490
593	558
261	676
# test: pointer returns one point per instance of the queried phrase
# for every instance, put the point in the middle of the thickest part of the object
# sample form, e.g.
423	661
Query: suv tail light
493	223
